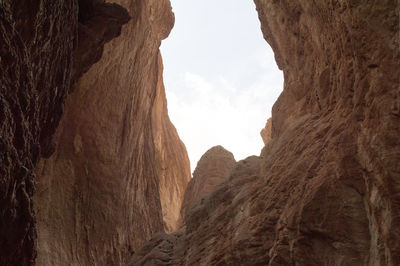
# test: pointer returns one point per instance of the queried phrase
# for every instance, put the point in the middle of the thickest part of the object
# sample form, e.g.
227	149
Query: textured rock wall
118	161
172	161
341	65
38	40
213	167
326	189
34	80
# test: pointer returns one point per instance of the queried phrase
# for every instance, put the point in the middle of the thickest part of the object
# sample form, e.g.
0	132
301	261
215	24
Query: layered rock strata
326	190
119	169
37	40
213	167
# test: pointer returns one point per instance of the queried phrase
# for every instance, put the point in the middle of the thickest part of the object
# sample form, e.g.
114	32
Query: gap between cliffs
92	168
221	77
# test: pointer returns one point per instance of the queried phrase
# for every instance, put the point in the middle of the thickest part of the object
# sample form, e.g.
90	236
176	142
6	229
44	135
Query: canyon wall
37	40
119	169
213	167
30	107
326	188
171	160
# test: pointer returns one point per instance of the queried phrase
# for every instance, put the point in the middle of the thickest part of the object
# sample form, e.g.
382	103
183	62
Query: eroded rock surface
118	162
213	167
326	190
98	23
172	161
31	100
37	40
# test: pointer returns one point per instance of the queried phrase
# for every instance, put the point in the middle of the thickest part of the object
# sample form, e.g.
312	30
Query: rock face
172	161
266	132
119	167
30	107
326	190
98	23
213	167
37	40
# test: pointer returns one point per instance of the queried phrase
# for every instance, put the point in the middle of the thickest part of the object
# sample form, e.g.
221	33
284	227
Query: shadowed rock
119	169
37	39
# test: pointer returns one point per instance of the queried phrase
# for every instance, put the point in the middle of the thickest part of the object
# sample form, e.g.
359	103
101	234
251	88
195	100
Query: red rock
119	170
37	39
172	161
266	132
326	190
213	167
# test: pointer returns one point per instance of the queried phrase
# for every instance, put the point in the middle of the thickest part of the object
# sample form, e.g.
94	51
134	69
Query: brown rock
266	132
118	164
172	161
98	23
327	189
30	107
213	167
37	39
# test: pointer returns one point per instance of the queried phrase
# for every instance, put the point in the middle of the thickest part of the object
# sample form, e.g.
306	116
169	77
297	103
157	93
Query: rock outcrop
266	132
213	167
326	190
119	169
37	40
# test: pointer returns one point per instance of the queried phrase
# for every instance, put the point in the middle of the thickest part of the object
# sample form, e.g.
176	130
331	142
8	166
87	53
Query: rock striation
213	167
326	190
119	169
37	40
171	160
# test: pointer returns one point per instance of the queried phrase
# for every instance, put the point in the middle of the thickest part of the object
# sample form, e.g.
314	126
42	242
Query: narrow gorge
93	172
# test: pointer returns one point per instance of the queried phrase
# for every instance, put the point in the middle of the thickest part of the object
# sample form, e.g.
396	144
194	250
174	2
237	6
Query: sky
220	76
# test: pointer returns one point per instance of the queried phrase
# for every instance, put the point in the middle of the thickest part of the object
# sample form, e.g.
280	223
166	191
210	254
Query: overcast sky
220	76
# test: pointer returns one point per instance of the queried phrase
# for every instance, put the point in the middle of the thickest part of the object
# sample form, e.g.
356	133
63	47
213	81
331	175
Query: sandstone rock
31	100
213	167
98	23
326	190
266	132
37	39
118	164
172	161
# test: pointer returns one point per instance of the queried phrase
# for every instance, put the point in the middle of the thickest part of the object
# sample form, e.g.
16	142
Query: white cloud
220	113
220	76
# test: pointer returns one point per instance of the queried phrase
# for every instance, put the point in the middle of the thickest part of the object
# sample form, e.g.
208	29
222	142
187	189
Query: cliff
326	189
172	162
266	132
37	40
213	167
119	170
